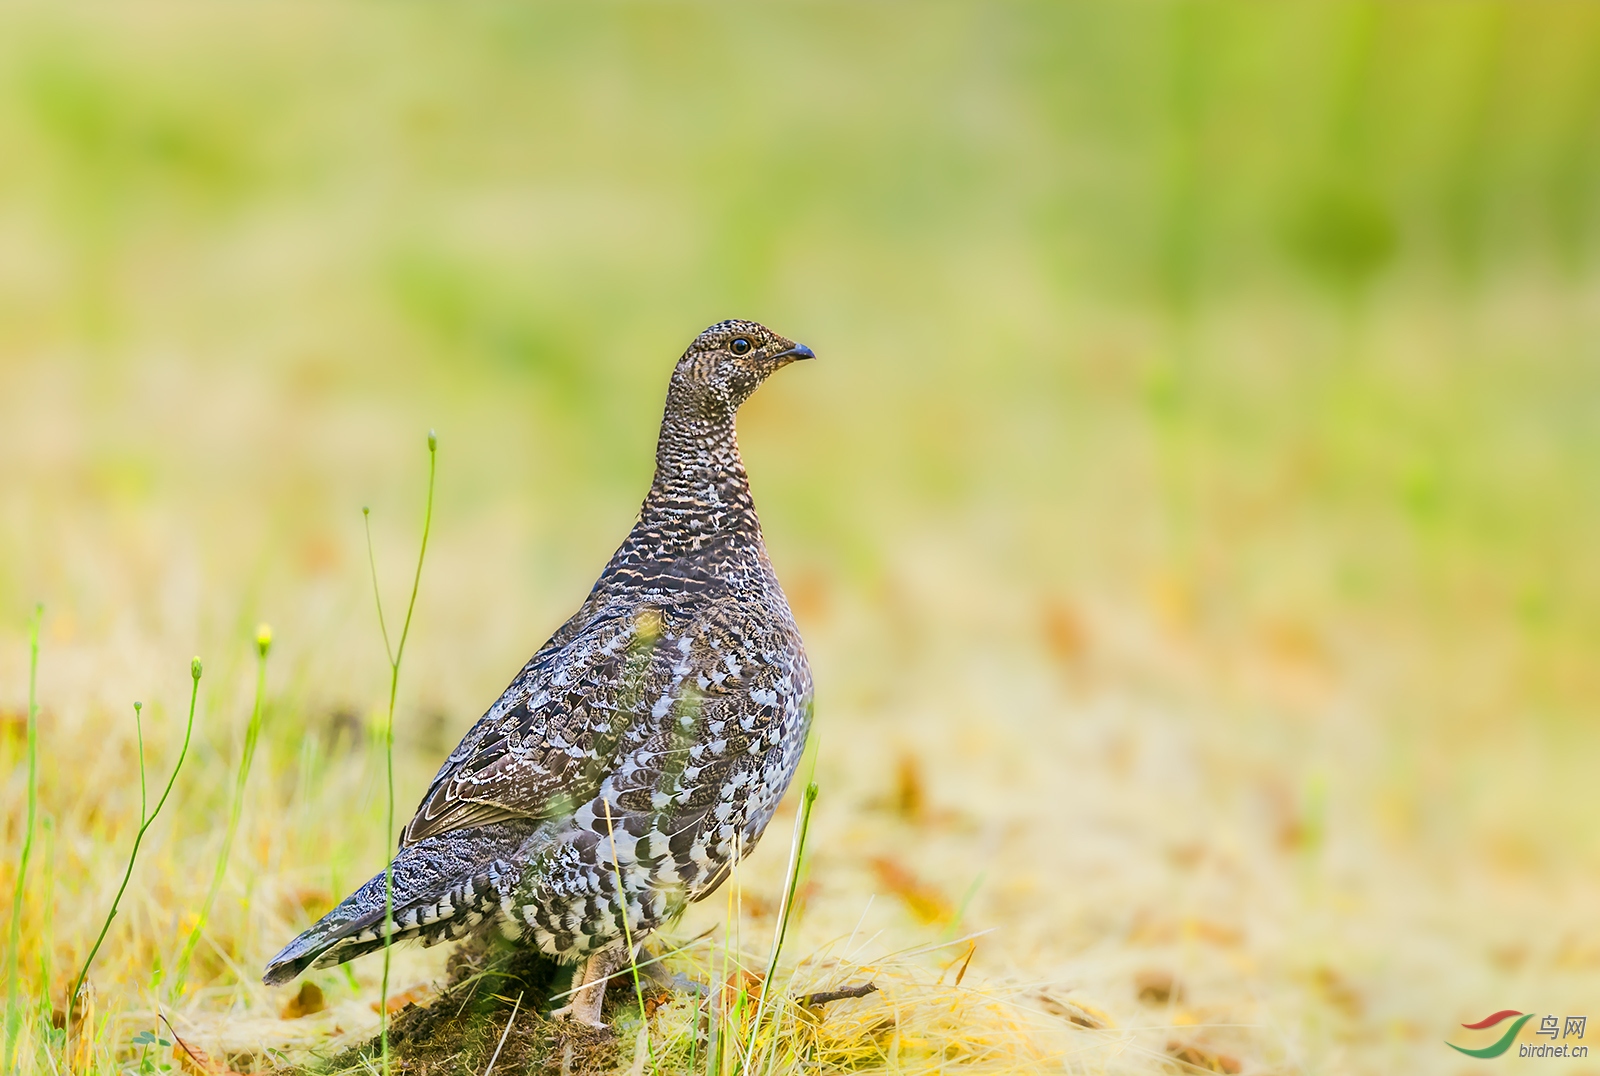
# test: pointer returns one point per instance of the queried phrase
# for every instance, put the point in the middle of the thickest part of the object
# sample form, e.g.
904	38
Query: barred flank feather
443	887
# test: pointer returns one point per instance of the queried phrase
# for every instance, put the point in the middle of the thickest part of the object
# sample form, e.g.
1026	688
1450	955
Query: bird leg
590	991
655	976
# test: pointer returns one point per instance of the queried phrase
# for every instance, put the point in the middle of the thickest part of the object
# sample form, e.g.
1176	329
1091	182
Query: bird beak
795	353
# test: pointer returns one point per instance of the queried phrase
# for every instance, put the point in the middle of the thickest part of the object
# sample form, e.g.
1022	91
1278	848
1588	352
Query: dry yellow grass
1142	798
1220	654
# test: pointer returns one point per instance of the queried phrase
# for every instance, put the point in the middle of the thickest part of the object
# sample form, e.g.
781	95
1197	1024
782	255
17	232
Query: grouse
642	750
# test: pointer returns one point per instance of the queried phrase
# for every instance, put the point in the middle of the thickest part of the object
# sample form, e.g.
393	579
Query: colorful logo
1551	1027
1501	1045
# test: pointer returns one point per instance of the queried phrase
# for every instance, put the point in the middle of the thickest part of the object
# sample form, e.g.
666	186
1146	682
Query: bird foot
655	974
589	992
588	1015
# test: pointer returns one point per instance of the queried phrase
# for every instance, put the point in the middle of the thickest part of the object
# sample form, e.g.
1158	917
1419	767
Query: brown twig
202	1061
822	997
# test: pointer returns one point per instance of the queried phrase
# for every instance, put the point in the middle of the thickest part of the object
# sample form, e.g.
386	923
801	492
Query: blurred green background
1240	355
1293	306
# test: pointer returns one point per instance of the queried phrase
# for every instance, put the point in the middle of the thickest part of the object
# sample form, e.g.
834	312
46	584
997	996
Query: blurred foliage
1291	304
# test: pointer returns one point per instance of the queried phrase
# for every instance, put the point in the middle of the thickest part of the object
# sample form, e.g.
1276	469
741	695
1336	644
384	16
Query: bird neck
701	491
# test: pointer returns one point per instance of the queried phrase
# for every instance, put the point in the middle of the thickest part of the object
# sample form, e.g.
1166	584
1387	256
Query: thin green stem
720	1003
372	563
416	579
44	936
802	824
694	1033
395	656
13	949
138	731
627	932
252	735
966	901
144	825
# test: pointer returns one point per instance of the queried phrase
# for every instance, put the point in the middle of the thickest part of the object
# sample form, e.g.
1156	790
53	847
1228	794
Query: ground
1190	514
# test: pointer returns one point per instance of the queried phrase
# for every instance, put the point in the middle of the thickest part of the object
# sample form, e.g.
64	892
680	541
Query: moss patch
459	1030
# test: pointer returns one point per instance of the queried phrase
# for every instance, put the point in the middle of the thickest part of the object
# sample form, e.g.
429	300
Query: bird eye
740	346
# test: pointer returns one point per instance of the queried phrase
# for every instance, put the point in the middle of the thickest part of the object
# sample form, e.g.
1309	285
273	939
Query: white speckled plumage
647	743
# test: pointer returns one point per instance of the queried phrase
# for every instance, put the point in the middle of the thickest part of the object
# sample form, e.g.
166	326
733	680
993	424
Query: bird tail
443	887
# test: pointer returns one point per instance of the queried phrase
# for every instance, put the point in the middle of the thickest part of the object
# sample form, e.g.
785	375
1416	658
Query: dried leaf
80	1029
309	1000
1202	1058
1075	1011
924	901
1157	987
194	1060
412	996
309	900
14	724
740	981
910	797
1065	634
1338	992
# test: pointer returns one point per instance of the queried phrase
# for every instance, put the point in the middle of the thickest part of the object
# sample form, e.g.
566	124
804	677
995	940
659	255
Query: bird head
728	361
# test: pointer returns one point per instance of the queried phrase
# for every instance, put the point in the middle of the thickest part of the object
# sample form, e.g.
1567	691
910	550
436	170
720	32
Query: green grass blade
395	657
252	735
13	1009
802	825
144	825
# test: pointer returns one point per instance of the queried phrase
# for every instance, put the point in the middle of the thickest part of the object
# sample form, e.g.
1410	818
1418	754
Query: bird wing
545	747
